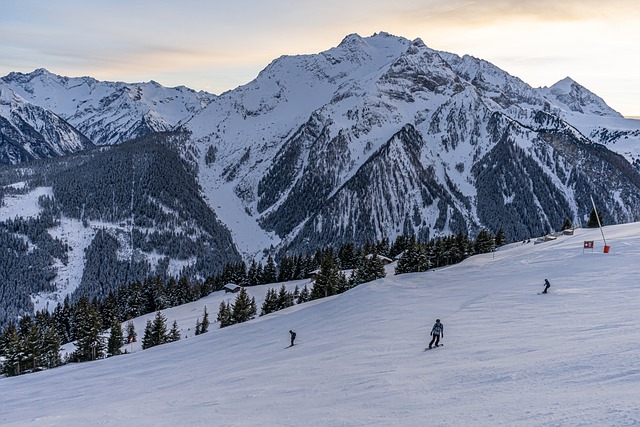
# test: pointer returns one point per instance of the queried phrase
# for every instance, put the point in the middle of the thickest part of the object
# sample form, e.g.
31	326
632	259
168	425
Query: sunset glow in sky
217	45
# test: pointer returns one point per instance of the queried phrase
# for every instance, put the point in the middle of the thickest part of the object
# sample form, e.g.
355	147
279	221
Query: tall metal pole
598	218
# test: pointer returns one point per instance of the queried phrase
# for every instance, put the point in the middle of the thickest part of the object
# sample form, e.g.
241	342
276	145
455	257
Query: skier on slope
436	332
293	336
547	285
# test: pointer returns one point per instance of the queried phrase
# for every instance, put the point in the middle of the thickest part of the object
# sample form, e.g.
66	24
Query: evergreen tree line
30	344
34	343
328	280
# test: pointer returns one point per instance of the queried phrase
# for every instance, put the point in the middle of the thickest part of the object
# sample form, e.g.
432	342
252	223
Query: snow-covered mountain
381	136
376	137
108	112
510	357
29	132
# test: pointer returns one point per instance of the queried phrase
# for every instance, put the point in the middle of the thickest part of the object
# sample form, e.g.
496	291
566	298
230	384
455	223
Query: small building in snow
383	259
231	287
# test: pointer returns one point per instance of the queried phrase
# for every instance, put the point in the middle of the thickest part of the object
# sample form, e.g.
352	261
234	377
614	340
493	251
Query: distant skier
293	337
436	332
547	285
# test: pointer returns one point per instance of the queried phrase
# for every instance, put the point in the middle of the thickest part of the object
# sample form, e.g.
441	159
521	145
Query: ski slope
511	357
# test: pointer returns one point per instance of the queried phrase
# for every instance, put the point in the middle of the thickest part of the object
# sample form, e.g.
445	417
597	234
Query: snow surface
23	205
511	357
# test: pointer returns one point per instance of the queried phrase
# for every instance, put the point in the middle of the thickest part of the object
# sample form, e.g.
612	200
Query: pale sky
217	45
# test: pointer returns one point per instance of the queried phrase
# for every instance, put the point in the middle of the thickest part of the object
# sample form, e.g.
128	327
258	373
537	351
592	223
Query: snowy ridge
109	112
511	357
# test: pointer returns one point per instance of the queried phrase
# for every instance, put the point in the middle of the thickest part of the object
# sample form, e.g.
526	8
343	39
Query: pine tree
593	219
269	272
328	279
414	258
135	300
485	242
174	334
286	269
116	338
253	310
147	338
347	256
224	315
284	299
501	240
131	332
198	327
242	308
156	332
108	308
370	268
204	326
185	292
90	345
270	302
51	348
304	295
62	319
464	246
11	348
32	348
252	274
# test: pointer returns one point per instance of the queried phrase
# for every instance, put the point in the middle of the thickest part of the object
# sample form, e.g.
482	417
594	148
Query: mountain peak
352	40
17	76
578	98
564	85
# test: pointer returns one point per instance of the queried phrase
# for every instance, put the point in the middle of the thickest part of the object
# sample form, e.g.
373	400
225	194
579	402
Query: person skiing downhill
293	337
547	285
436	332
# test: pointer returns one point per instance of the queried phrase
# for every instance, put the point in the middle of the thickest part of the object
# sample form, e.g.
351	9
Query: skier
293	337
436	332
547	285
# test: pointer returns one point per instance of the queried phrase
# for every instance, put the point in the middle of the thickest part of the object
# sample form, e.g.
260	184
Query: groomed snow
511	357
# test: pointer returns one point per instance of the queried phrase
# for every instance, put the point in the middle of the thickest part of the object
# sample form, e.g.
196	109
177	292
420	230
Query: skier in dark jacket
547	285
293	336
436	332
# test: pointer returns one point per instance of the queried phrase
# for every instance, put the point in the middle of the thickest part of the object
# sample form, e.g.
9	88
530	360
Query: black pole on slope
599	224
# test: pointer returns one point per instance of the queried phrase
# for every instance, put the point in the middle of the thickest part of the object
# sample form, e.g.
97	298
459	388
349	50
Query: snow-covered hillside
510	357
